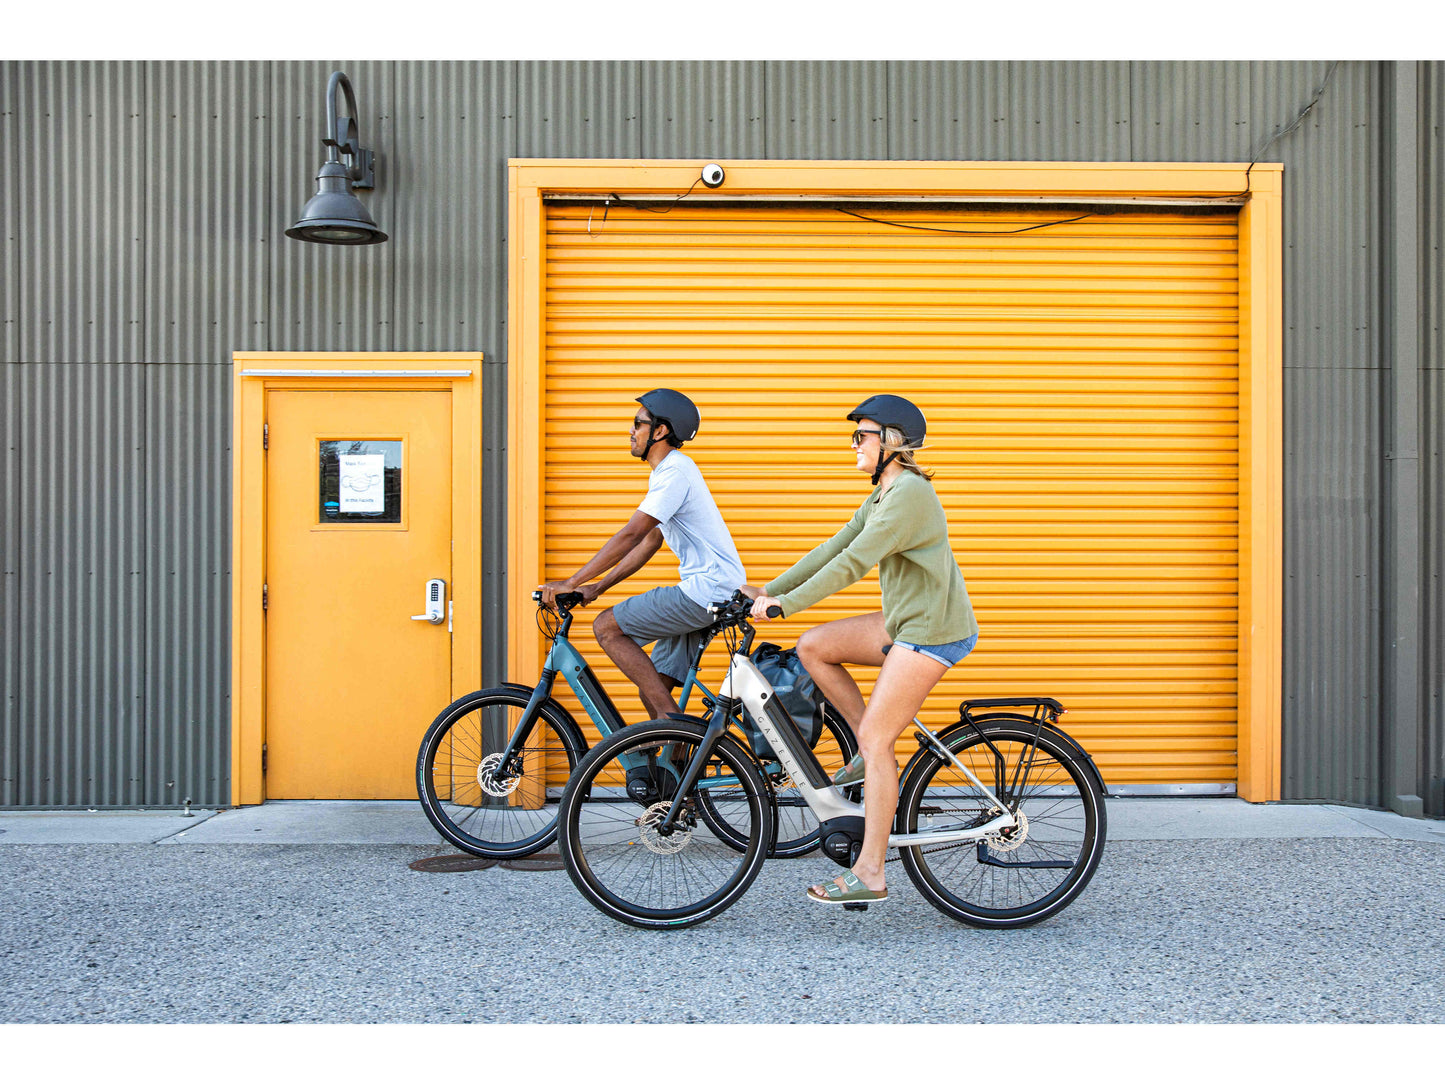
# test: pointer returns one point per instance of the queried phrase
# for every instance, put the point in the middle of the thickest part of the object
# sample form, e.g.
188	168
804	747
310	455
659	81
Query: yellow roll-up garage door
1080	380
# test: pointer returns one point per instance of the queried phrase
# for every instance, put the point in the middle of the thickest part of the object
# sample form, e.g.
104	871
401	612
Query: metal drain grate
452	863
534	863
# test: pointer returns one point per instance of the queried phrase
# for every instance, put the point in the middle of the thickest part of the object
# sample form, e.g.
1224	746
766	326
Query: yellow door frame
253	375
1261	356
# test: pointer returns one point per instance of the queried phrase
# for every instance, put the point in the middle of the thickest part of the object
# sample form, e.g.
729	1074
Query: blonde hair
894	441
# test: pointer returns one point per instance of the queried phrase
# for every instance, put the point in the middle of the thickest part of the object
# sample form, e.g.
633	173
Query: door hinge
265	436
263	759
264	599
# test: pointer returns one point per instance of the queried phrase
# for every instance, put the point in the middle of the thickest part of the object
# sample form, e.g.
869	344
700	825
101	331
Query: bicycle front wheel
1016	877
482	801
628	864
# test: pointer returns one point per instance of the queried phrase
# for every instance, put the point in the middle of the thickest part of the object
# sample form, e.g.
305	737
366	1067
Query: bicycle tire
631	873
796	825
520	817
1001	884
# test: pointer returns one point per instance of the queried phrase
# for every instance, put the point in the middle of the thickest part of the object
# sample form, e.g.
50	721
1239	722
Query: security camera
712	175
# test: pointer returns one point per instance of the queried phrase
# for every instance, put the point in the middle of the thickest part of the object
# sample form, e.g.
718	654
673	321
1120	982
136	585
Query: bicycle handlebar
564	602
739	606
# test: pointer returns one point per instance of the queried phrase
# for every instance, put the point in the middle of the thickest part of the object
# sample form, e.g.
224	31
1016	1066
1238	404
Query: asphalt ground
1339	924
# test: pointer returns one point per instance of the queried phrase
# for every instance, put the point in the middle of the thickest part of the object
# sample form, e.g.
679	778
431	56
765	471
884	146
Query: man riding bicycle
679	510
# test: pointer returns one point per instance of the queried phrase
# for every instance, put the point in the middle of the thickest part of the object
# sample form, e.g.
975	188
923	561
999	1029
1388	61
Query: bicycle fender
1077	751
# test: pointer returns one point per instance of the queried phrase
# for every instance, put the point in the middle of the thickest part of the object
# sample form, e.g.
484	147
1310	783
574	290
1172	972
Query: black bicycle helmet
895	411
674	408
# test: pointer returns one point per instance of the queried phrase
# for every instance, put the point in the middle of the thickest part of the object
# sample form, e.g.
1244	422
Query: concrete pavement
1203	910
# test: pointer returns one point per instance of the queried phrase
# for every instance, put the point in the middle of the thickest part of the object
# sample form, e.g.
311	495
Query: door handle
435	603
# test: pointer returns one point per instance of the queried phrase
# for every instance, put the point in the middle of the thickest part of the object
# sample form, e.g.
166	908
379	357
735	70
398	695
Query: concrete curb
338	823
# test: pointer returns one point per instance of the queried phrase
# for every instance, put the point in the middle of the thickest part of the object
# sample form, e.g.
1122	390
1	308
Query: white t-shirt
693	528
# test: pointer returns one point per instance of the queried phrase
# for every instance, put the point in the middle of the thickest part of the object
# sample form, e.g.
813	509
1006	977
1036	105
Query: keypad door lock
436	609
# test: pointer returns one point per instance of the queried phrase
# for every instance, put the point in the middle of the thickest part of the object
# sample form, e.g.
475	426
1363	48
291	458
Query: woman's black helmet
896	411
674	408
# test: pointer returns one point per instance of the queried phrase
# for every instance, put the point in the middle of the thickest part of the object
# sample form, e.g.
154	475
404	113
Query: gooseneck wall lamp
334	216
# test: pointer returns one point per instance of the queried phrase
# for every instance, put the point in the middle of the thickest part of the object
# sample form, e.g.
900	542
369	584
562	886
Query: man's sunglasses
638	423
860	435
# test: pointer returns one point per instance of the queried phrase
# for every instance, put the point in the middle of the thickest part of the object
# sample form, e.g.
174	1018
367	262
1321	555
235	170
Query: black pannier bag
795	691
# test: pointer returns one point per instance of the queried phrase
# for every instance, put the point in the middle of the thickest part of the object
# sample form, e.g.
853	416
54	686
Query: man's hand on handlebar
551	589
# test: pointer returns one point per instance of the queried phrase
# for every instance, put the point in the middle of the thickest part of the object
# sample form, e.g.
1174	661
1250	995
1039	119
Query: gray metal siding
9	434
1333	443
1432	449
703	109
821	109
80	632
144	206
186	573
942	111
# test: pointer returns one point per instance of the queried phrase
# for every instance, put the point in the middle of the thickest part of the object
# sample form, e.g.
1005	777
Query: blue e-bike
492	766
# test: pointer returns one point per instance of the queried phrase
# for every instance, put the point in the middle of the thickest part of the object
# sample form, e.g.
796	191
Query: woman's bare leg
856	640
902	686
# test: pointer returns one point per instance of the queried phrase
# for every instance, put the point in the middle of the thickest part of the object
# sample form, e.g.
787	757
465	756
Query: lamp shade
334	216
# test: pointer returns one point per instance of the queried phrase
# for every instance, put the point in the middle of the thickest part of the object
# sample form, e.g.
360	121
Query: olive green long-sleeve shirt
904	532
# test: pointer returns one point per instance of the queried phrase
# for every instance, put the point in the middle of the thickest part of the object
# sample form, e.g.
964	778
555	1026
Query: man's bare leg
654	689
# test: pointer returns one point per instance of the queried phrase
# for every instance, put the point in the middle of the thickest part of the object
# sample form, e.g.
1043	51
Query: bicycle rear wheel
1017	877
480	804
797	827
611	842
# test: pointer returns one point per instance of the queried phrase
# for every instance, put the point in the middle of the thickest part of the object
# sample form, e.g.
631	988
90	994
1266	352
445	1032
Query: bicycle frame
746	683
562	658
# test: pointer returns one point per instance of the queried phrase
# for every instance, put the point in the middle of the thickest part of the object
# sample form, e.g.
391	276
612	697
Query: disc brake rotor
490	782
653	840
1011	839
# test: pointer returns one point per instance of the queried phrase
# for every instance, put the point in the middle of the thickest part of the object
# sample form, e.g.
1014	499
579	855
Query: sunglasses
860	435
638	423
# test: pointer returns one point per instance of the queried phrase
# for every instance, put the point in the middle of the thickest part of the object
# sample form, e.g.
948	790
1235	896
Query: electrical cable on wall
976	233
1282	132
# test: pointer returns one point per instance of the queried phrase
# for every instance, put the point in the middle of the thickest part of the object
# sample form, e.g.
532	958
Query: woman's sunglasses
860	435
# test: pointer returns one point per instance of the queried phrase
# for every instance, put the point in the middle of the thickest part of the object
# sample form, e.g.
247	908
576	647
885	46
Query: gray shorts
669	617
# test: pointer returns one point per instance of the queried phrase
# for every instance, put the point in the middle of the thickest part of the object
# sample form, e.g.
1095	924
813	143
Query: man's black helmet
896	411
674	408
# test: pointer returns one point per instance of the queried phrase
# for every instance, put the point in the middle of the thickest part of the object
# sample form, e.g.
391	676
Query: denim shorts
948	654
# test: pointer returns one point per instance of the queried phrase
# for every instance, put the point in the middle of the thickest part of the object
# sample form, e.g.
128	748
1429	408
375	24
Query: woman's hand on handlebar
761	604
749	590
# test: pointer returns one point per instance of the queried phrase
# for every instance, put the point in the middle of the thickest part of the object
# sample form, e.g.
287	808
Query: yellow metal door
1080	375
358	520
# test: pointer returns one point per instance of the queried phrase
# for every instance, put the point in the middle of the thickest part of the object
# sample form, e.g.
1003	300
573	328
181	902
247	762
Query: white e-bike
665	824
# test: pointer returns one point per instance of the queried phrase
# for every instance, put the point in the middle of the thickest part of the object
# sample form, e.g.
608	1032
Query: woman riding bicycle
901	528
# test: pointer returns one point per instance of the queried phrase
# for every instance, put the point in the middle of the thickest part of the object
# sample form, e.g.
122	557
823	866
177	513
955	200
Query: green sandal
854	891
850	773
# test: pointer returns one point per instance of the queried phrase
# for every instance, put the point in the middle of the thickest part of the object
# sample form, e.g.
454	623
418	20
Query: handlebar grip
569	600
775	611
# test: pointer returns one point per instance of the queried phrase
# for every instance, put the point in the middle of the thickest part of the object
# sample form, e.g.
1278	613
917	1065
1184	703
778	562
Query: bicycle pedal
855	907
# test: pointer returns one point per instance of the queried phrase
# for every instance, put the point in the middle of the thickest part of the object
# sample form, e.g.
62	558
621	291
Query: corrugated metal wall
1432	450
143	207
